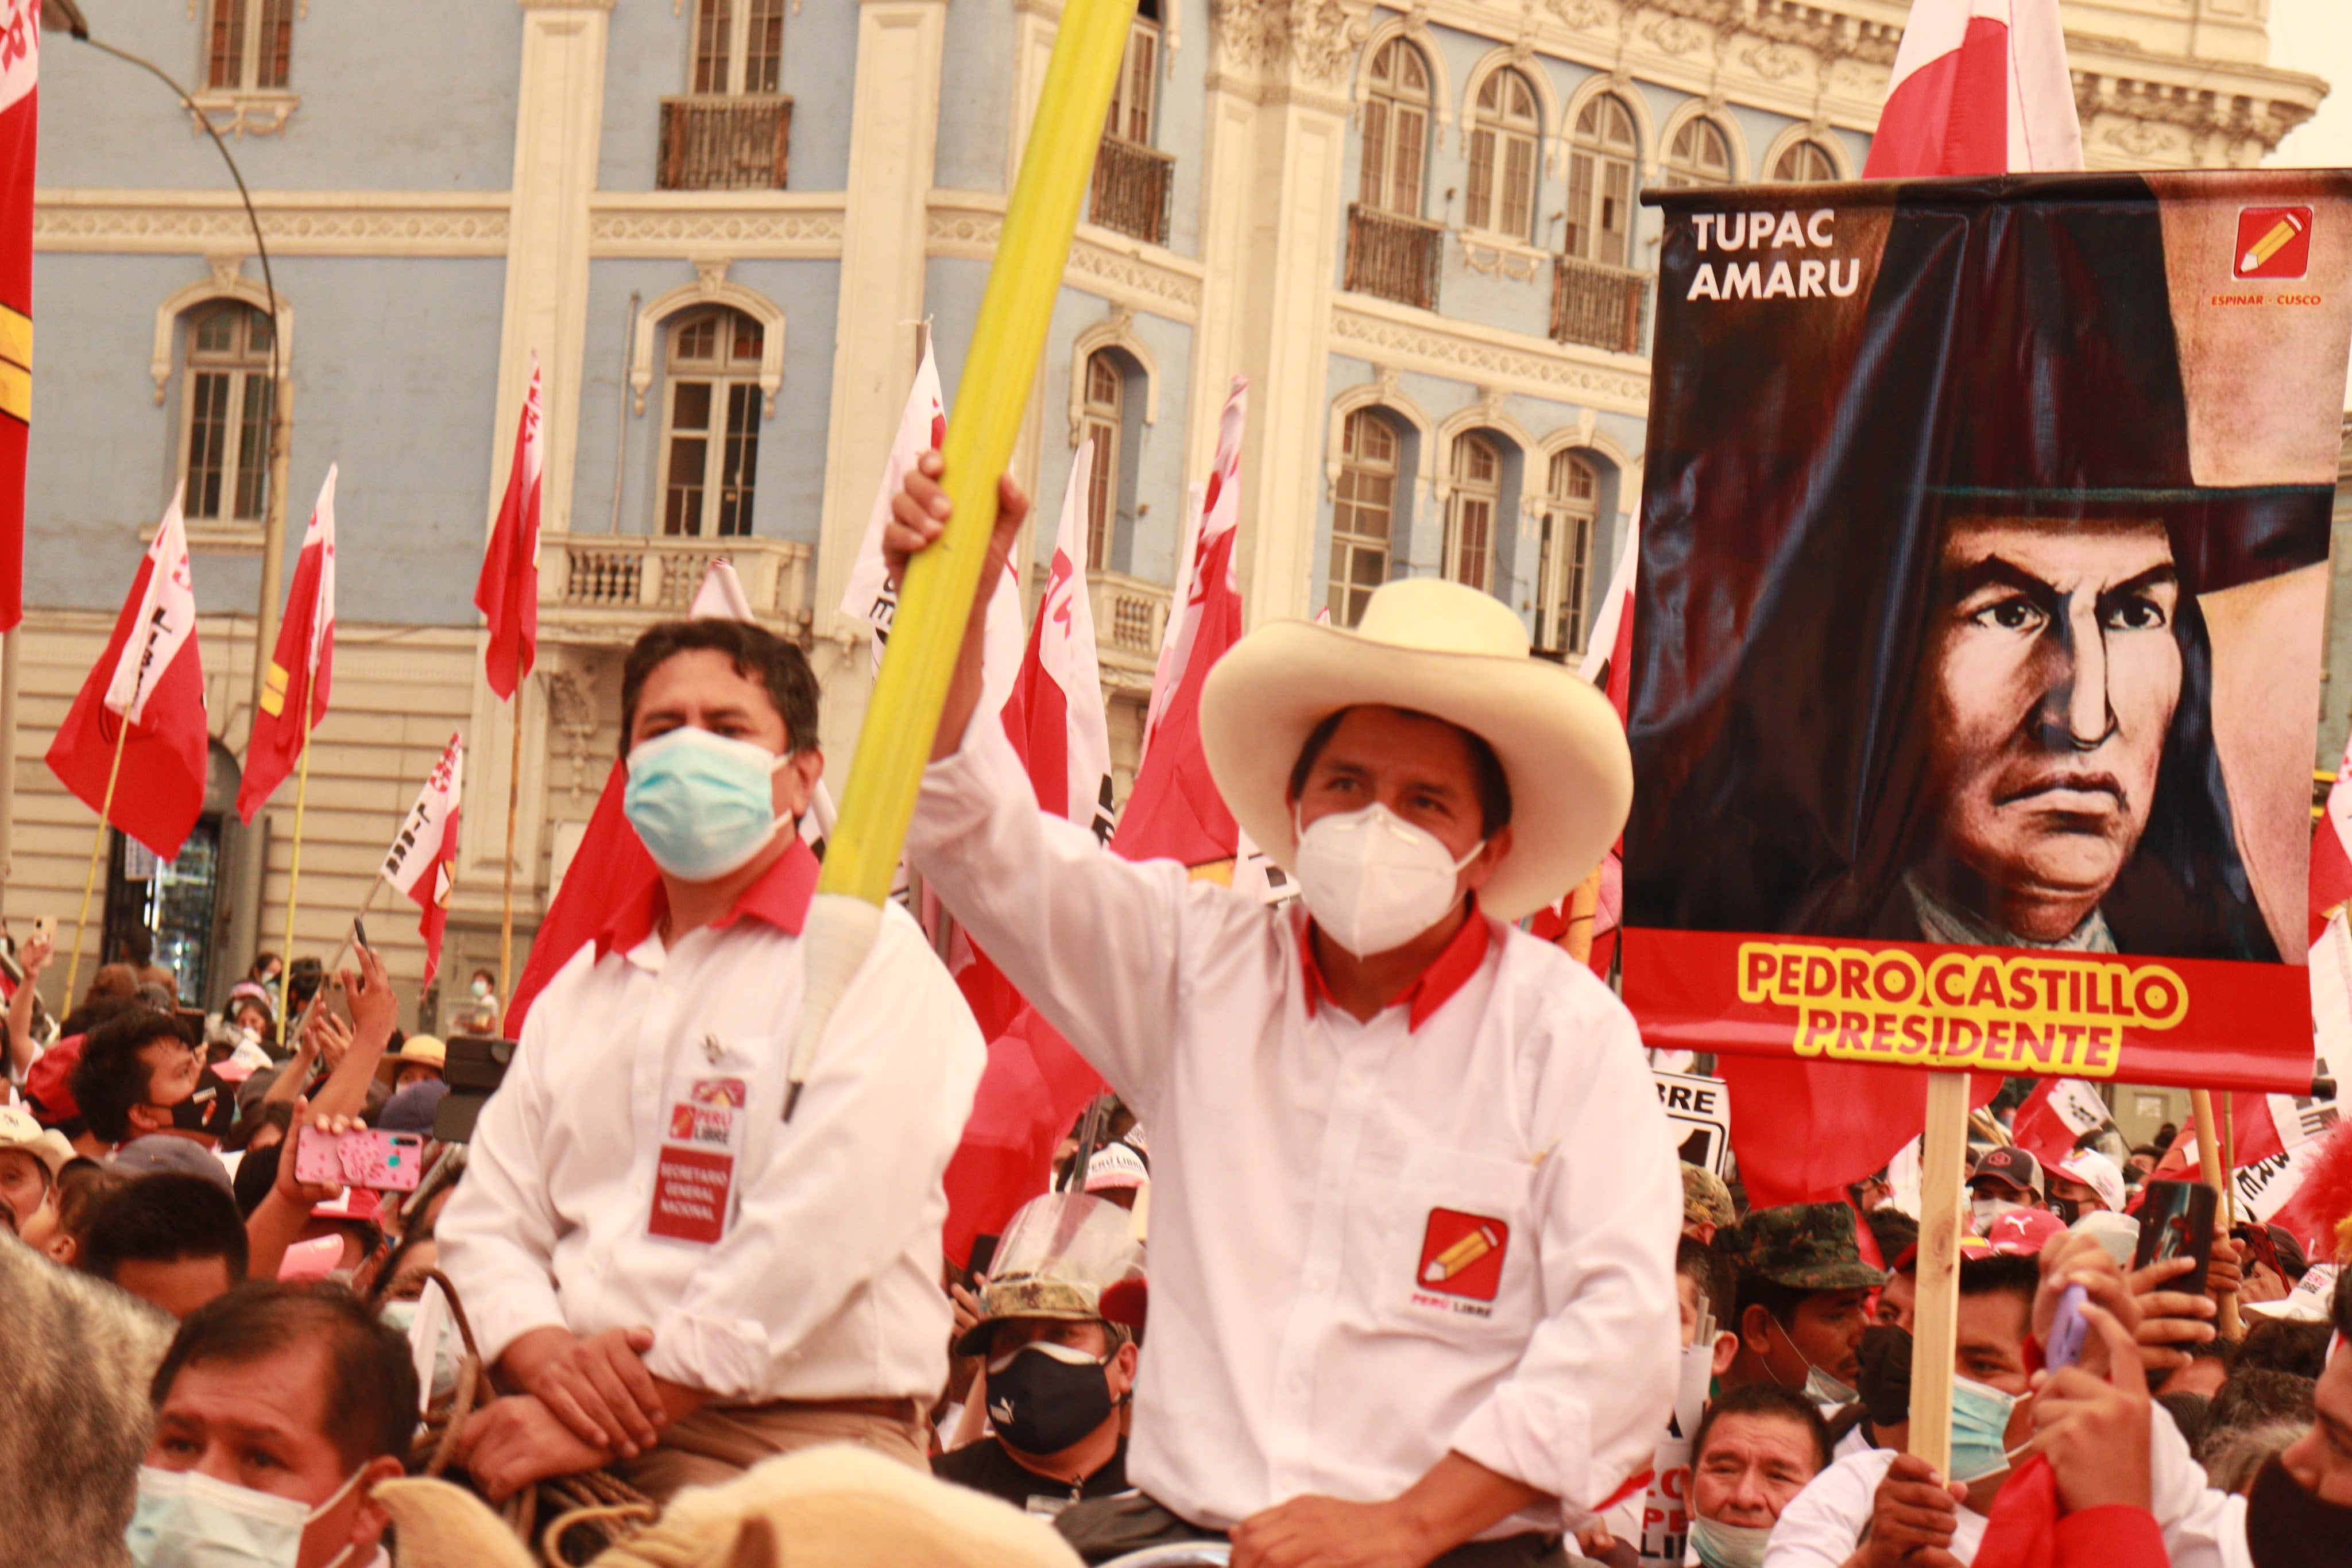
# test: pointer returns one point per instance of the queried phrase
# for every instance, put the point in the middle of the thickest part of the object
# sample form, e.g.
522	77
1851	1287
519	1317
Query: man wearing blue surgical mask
1413	1204
679	1282
278	1409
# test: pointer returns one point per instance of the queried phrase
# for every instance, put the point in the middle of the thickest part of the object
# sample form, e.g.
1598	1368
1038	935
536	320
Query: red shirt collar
1448	973
779	899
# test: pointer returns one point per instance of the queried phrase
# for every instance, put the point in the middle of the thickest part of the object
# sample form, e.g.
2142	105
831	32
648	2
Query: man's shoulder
983	1466
1558	988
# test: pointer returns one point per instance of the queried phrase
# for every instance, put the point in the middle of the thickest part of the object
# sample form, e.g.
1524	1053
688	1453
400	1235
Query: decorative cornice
294	222
2202	111
1317	38
968	225
1363	328
744	225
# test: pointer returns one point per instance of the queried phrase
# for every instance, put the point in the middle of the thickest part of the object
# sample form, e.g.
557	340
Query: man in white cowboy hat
1415	1205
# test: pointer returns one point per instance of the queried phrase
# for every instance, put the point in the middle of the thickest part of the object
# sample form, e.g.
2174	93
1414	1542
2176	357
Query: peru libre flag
146	695
423	860
294	697
20	59
1055	715
508	592
1980	87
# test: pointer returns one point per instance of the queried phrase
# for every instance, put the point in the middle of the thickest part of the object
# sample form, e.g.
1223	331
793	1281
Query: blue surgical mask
187	1519
702	804
1979	1430
1729	1545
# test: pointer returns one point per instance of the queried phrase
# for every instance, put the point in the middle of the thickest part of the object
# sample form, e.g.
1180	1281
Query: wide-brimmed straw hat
1452	652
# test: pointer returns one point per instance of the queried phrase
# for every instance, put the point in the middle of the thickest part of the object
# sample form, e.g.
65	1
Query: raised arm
34	957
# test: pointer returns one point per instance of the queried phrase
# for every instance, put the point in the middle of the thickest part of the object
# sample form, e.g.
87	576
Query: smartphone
2175	1220
2068	1329
364	1156
46	927
359	930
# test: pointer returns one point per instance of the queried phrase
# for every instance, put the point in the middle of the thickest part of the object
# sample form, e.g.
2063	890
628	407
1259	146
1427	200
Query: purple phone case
2068	1329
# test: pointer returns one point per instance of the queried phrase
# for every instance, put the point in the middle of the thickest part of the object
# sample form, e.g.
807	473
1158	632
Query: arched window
1470	523
1804	164
738	45
711	440
1106	422
251	46
1502	196
225	448
1600	187
1363	513
1396	130
1699	155
1572	502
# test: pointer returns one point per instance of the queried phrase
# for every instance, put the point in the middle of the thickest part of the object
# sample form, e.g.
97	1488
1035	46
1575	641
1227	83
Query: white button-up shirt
825	1284
1371	1242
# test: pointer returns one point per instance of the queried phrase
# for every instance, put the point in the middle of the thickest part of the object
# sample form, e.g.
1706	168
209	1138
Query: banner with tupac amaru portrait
1976	652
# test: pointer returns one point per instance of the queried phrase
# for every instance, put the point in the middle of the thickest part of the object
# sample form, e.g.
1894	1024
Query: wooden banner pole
2209	1161
514	809
1943	1172
294	856
97	848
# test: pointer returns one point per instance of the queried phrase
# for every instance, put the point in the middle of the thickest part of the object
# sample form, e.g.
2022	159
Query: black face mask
209	1110
1884	1382
2067	1209
1042	1403
2287	1527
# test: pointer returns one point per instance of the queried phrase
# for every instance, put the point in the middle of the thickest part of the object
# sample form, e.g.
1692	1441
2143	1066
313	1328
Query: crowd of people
1376	1253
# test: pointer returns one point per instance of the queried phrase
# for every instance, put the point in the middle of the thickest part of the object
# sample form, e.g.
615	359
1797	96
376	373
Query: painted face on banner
2053	677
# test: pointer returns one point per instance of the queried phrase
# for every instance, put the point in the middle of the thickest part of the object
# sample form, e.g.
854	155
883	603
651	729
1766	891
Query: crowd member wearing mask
1884	1510
139	1074
1058	1373
1755	1448
680	1283
1803	1301
2298	1512
2085	1182
2006	1180
277	1408
1413	1201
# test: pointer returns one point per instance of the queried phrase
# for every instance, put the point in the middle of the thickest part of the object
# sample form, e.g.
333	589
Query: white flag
1066	654
167	619
416	849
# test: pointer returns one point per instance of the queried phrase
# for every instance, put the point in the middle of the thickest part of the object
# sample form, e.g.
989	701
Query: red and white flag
2057	1114
20	117
423	860
1174	812
294	695
2331	850
508	592
1055	715
1980	87
871	597
146	695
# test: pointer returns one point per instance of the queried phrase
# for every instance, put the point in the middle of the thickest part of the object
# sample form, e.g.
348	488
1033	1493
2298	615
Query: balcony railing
724	141
1598	306
1131	188
623	582
1393	256
1129	614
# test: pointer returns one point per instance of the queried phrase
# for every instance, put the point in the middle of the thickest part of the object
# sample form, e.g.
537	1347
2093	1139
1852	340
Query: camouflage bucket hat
1061	1252
1806	1246
1705	1197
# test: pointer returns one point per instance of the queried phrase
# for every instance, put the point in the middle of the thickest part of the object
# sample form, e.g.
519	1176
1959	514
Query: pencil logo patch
1462	1256
2272	241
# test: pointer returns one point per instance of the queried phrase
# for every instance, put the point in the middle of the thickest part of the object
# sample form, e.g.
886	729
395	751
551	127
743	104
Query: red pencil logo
2272	241
1462	1254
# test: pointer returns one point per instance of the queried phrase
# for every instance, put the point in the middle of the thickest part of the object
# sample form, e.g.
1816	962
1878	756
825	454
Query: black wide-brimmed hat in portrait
1925	640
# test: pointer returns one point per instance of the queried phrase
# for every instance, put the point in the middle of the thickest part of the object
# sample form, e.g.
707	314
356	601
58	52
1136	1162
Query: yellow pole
894	742
97	848
514	808
294	859
1943	1162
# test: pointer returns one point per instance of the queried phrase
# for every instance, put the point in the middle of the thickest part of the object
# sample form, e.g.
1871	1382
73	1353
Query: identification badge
694	1175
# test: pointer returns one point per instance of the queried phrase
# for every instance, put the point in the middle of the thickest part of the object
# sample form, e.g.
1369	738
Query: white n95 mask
1374	881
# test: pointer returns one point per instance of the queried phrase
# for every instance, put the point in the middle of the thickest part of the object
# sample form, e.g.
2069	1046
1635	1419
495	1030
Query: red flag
508	592
1979	87
1804	1131
1174	812
2058	1111
609	869
1033	1087
294	699
423	860
151	679
20	114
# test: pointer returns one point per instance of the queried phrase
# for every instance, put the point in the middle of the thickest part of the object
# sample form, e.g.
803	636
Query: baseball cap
2011	1166
1705	1199
2023	1233
410	1109
1117	1167
168	1154
1804	1246
2098	1173
19	1131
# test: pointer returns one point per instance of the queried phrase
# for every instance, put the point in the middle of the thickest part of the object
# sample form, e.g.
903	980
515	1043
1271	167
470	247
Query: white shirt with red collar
1450	1228
634	1166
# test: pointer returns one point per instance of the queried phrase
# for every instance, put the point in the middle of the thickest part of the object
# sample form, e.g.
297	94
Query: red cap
2023	1232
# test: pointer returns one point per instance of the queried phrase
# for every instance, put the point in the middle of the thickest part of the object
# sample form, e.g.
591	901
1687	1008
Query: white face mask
1729	1545
1374	881
1983	1211
187	1519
